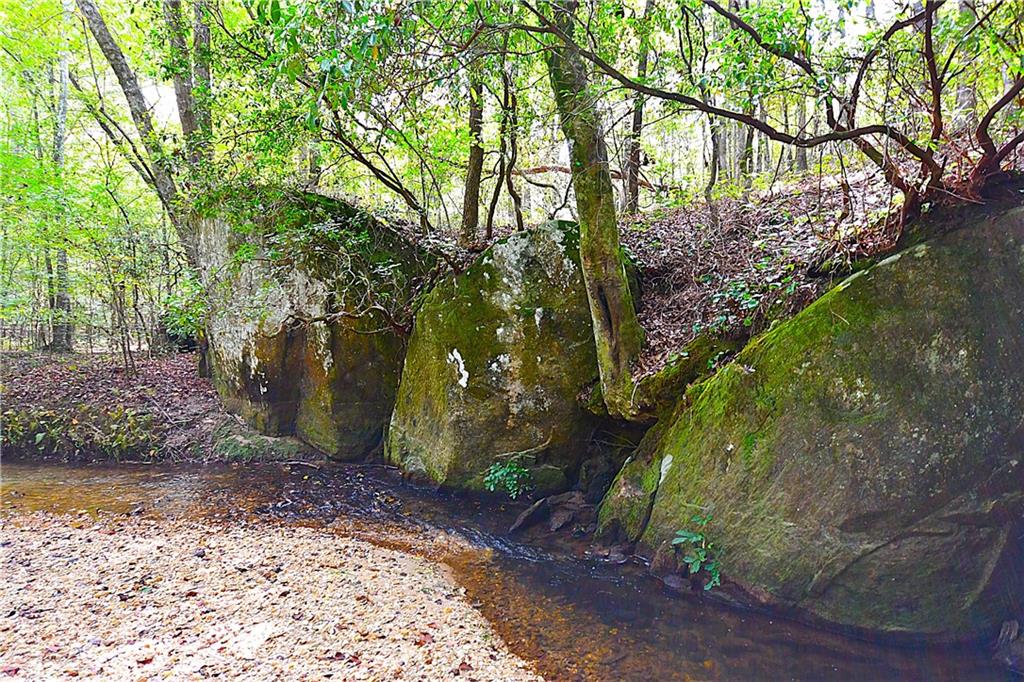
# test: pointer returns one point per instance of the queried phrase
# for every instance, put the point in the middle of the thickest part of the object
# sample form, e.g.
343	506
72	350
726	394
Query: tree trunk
471	199
181	74
313	168
62	328
61	302
617	332
202	86
966	93
159	167
511	105
801	122
745	160
632	204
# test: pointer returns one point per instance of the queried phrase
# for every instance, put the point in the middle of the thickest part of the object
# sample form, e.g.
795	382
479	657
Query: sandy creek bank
274	572
143	599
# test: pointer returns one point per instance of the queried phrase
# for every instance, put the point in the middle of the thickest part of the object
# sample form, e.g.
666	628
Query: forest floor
132	598
757	258
165	410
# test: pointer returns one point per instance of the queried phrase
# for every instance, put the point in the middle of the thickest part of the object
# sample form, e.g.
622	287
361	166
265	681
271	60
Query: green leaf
687	536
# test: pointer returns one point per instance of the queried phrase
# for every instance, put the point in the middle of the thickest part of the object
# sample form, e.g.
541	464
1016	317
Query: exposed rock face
864	460
297	337
496	361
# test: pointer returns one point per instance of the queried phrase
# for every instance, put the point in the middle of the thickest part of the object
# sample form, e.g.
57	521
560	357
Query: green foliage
89	432
185	310
699	552
512	477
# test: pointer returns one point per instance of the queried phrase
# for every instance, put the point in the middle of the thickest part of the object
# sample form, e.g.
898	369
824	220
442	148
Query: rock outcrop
496	361
302	292
863	461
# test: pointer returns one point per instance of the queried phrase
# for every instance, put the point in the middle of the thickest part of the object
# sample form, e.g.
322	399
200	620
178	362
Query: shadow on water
574	617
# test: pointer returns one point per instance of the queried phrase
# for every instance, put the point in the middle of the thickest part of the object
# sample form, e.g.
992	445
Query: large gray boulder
863	461
496	361
300	292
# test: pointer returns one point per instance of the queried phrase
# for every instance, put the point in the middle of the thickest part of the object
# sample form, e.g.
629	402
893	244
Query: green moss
842	451
660	392
232	443
496	359
331	382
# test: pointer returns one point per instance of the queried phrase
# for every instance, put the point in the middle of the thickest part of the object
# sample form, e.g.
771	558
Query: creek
575	617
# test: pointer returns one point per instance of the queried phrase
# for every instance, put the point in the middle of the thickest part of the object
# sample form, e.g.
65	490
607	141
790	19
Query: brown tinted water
577	619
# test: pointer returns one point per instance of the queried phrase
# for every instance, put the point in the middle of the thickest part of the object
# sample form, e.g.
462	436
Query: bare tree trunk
313	168
61	303
511	106
724	135
617	332
764	145
499	174
632	169
181	74
801	122
966	92
745	160
471	198
202	89
786	152
159	170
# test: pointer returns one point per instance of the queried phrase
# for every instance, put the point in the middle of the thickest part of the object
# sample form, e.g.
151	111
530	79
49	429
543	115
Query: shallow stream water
576	618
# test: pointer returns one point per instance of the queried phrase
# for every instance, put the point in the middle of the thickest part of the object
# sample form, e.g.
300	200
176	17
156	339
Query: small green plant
113	432
700	552
716	359
511	476
185	310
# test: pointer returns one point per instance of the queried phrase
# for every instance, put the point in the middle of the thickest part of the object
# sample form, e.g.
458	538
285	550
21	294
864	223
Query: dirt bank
81	406
140	599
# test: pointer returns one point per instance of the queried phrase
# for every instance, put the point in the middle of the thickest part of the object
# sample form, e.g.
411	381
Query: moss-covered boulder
863	461
305	295
497	358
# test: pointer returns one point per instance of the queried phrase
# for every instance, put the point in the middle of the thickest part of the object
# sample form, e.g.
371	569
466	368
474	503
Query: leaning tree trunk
160	175
471	199
617	332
